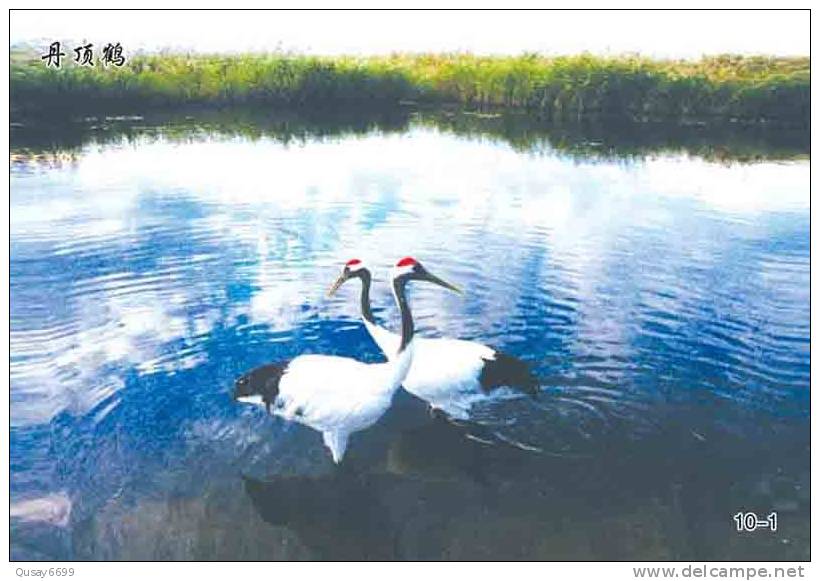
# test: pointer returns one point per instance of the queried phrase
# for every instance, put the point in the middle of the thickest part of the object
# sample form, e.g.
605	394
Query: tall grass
751	89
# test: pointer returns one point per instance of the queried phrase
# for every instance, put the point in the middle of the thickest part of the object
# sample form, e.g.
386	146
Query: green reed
747	89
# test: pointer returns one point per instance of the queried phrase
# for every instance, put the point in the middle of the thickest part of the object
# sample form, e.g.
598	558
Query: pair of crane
338	396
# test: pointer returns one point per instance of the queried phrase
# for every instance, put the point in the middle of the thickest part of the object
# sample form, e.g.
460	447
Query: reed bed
727	88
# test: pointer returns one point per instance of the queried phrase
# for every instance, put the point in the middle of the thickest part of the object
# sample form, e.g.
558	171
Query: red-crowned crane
451	375
339	395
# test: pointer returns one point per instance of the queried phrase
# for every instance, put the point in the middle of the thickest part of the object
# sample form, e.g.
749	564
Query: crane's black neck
367	314
407	328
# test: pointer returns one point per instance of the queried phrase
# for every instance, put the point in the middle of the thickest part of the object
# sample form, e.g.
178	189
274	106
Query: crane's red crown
407	261
353	262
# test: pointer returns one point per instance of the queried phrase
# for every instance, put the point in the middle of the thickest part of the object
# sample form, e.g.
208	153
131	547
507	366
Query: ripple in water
663	302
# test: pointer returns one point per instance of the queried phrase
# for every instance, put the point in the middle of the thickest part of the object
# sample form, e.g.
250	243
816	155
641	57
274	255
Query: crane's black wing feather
508	371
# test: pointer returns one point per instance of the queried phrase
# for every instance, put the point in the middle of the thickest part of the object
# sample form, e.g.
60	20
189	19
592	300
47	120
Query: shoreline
523	132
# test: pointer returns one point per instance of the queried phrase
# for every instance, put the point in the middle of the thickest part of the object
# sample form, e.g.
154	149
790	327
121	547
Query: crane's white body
445	372
337	395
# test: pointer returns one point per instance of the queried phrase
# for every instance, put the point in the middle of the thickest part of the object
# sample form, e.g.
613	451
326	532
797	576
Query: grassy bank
725	88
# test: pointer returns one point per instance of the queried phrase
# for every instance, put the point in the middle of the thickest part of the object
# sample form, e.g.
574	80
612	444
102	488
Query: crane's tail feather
507	371
260	384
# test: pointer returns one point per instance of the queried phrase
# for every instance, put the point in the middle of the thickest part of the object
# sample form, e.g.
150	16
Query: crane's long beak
339	282
436	280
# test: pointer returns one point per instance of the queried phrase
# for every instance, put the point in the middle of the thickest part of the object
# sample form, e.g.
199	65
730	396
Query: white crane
338	395
451	375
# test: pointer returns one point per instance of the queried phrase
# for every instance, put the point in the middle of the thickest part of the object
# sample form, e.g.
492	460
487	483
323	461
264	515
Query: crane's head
409	268
353	268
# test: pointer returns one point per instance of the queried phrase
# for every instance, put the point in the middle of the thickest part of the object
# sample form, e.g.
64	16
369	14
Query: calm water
659	287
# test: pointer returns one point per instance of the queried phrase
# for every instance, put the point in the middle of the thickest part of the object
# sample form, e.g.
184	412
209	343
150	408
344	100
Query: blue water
661	297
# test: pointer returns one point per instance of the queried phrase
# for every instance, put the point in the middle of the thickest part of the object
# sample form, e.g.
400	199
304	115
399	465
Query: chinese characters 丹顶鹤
112	54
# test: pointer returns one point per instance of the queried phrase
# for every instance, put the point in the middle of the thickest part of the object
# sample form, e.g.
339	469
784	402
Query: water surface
658	285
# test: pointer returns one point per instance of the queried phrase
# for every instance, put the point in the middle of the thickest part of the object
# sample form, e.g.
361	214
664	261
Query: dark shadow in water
431	476
443	496
338	517
591	139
